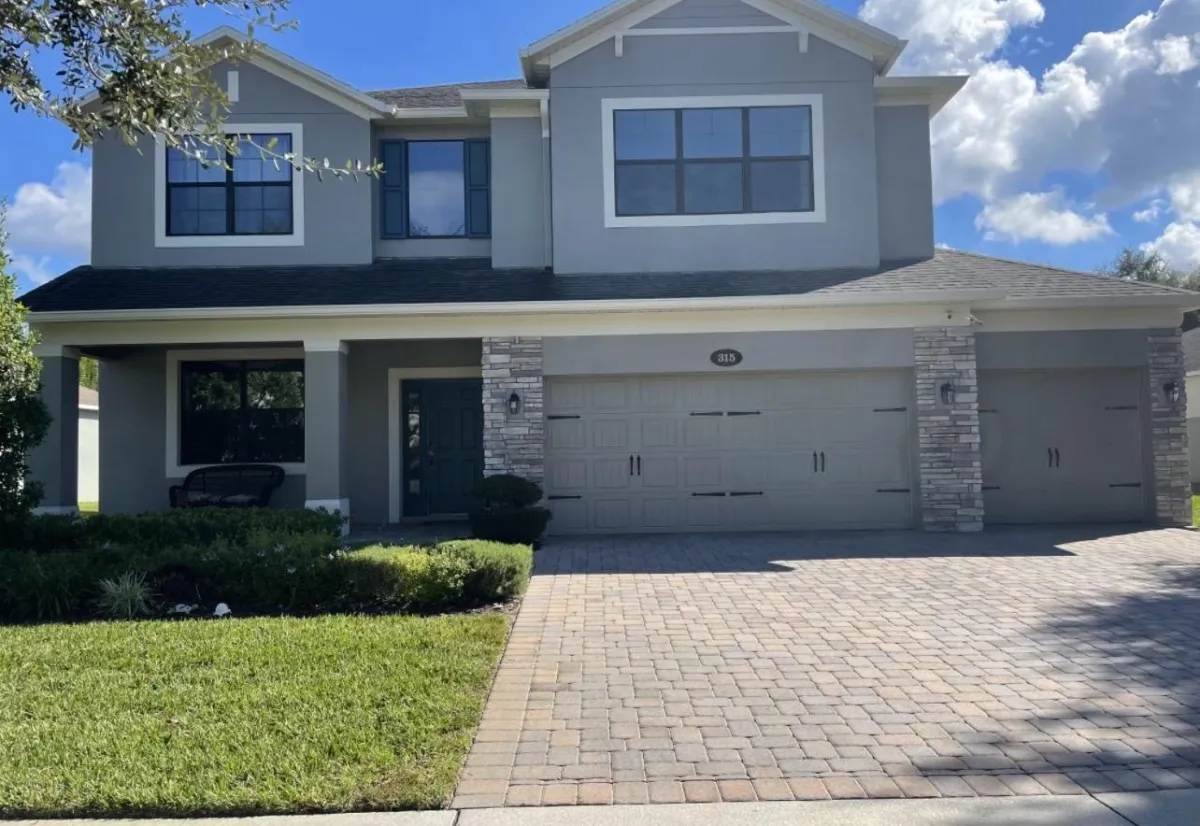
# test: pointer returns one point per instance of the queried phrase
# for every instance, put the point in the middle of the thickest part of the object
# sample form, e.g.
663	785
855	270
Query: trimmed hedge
230	557
508	511
155	531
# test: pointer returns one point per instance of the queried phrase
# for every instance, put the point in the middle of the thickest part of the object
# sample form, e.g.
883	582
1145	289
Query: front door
443	445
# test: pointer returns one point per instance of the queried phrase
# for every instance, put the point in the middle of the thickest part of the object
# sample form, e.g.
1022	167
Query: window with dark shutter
436	189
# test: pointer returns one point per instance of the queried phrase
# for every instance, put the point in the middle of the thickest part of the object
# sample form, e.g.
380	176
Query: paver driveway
665	669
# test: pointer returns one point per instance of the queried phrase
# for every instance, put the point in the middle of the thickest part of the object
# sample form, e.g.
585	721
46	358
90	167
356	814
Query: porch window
253	196
241	411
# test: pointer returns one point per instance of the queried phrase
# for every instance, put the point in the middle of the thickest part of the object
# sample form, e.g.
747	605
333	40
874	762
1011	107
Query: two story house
682	272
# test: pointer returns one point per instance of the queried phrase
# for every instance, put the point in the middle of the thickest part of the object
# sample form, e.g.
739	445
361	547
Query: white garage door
745	452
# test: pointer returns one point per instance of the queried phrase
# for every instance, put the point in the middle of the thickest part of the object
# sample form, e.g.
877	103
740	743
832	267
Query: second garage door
1062	446
743	452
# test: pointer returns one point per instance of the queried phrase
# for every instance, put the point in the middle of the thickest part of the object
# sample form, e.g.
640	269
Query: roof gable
621	16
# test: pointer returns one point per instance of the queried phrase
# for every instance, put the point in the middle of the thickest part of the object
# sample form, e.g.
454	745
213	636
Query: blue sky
1021	173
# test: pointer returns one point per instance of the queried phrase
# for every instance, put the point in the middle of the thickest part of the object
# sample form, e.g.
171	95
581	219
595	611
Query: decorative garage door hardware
894	490
716	413
821	465
639	465
561	417
561	498
746	493
891	410
1122	407
1127	485
732	494
731	413
1054	456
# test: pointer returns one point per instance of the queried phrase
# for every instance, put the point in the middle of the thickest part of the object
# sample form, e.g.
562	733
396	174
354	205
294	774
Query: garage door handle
639	464
1057	458
814	461
822	461
1049	457
630	464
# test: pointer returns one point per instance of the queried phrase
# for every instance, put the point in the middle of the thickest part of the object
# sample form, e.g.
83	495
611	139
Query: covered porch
386	431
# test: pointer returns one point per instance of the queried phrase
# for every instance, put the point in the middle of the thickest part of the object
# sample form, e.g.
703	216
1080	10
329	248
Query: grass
88	508
1196	509
252	716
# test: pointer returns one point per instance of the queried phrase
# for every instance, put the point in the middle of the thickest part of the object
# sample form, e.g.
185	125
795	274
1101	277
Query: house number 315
727	358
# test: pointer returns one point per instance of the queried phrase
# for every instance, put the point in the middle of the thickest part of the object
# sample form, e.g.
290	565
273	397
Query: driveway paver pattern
841	666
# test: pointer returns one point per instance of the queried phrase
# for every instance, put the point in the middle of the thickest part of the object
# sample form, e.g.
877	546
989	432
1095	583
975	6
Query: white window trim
295	239
174	359
608	146
396	376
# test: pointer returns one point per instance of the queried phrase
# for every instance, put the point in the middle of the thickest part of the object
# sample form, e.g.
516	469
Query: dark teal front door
443	445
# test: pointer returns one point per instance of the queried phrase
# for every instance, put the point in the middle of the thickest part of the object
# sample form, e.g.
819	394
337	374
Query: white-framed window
234	406
712	161
256	202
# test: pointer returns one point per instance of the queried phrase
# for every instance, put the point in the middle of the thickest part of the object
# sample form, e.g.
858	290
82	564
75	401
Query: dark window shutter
393	186
479	197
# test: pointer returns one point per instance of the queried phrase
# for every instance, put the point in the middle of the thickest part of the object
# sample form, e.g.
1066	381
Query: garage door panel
566	397
754	435
567	475
566	435
569	516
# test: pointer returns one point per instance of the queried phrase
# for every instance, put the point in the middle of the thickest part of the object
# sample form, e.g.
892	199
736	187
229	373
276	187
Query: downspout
547	189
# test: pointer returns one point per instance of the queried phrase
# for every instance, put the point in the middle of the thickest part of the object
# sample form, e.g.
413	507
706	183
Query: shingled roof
439	97
450	281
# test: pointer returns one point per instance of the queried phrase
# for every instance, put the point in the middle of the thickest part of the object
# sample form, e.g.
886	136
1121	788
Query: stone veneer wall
1168	431
514	444
951	458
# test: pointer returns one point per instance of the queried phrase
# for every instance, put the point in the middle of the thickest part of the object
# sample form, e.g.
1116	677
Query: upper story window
435	189
249	198
710	161
210	192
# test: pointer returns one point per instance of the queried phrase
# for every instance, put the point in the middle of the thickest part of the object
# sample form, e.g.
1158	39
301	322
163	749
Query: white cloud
1040	216
54	217
1151	213
1122	106
1179	245
37	270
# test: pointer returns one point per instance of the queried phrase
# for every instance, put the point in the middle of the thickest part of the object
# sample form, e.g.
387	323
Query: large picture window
241	411
436	189
240	193
713	161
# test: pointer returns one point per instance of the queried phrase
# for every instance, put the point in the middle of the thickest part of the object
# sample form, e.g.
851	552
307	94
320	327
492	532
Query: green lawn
1196	510
88	508
241	716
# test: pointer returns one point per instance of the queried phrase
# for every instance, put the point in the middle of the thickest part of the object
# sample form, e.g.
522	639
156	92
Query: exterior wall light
1171	392
514	405
949	394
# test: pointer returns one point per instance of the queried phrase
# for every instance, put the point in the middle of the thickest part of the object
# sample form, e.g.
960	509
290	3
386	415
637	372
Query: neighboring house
682	271
1191	358
89	445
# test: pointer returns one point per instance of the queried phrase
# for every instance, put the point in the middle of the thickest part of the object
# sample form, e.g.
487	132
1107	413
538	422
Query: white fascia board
294	71
1183	301
764	302
934	92
430	113
505	94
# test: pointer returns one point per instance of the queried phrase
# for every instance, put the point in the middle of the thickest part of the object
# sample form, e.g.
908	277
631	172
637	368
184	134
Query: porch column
951	456
325	426
55	462
1168	430
513	442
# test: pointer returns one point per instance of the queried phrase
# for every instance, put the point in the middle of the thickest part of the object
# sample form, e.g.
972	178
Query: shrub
496	572
508	511
169	529
405	578
126	597
59	586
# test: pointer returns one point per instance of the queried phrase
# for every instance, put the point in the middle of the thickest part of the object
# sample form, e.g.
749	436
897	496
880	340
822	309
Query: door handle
822	461
1049	457
814	461
1057	458
639	463
630	464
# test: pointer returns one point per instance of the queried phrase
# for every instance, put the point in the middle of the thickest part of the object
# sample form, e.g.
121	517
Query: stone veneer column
1168	431
513	444
950	456
55	462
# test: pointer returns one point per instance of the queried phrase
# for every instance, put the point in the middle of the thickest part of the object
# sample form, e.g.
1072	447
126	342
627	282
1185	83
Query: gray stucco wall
1061	350
705	13
905	177
805	350
367	388
518	214
714	65
424	247
337	213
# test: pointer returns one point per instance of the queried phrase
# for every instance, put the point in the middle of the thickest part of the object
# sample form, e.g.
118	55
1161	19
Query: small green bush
52	587
405	578
496	572
506	490
508	511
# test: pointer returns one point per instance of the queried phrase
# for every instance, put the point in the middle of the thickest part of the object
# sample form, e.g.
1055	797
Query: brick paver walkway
671	669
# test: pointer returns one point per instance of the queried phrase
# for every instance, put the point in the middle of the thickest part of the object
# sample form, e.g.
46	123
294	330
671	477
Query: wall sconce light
514	405
1171	392
949	394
